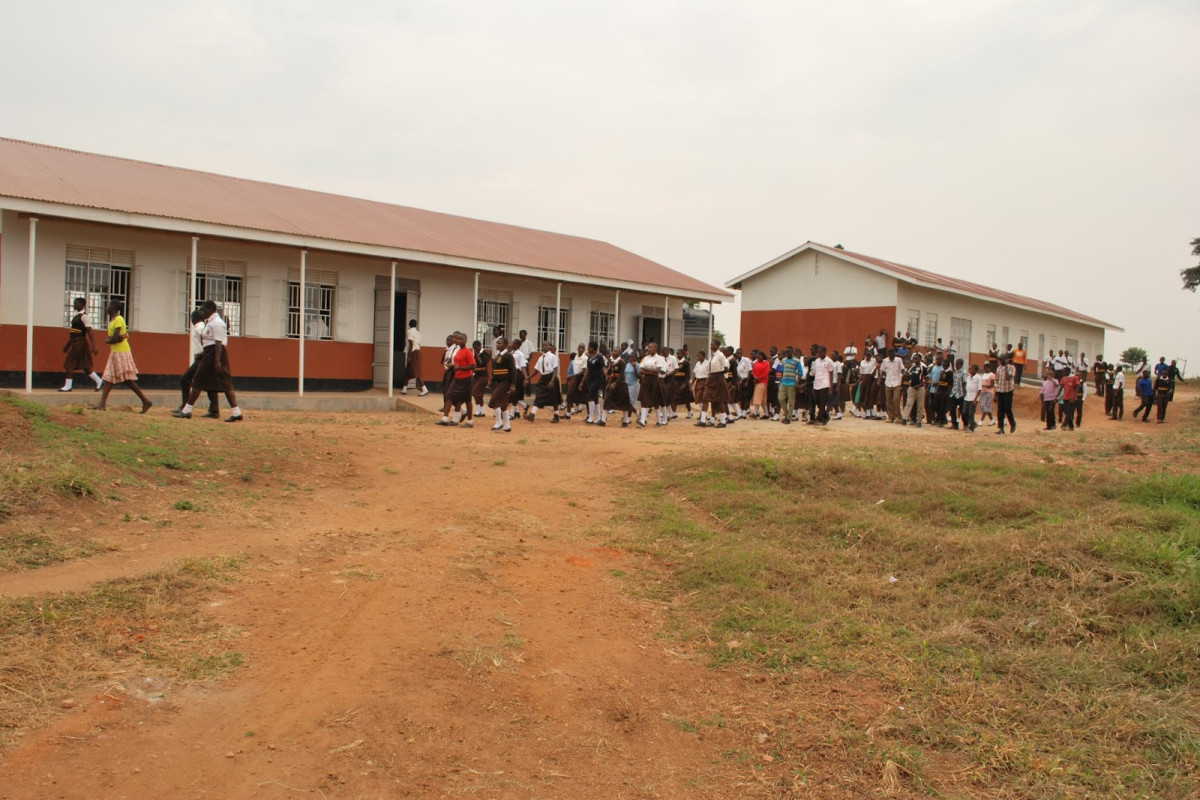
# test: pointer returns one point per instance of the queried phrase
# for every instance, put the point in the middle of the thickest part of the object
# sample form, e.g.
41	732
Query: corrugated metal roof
923	277
51	174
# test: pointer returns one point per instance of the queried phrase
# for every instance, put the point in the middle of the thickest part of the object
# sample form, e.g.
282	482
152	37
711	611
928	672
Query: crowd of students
891	380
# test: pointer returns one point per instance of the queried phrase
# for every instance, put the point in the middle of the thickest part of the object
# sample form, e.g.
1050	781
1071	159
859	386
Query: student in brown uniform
616	390
80	348
483	360
716	388
504	377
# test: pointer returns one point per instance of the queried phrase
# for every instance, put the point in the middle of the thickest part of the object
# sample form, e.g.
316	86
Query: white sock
445	418
703	416
603	415
533	411
499	417
456	415
592	410
722	417
236	411
187	408
96	378
642	416
68	383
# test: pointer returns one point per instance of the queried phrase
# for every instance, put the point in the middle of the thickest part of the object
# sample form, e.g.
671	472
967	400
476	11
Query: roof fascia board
190	228
736	281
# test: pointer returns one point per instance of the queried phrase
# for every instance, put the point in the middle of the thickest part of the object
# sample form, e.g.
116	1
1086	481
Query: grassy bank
1036	619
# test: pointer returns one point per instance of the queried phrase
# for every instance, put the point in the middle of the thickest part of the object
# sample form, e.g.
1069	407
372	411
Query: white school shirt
718	363
414	338
822	370
214	331
700	372
744	367
1119	379
974	387
893	371
881	342
548	364
654	361
851	353
579	364
448	357
526	349
519	359
672	363
197	344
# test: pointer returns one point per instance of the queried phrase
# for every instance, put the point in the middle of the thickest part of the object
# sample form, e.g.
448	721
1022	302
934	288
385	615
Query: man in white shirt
850	354
412	352
1117	410
974	386
892	368
823	370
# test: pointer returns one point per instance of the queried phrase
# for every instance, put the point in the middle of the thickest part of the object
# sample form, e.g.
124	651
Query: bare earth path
431	615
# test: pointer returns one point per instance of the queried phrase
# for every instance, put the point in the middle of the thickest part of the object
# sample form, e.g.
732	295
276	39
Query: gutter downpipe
33	221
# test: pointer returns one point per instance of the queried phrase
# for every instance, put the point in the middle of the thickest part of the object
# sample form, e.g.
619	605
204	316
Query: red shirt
464	363
761	370
1070	387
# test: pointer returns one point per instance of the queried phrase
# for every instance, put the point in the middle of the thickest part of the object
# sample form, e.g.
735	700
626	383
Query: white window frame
545	331
931	328
320	305
98	275
222	281
494	308
602	324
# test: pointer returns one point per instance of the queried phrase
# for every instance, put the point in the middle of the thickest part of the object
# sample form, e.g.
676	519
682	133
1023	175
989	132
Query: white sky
1047	148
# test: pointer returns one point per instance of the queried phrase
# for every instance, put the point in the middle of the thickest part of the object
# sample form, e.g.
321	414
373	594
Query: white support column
617	319
191	294
475	313
557	317
33	221
710	324
303	278
666	342
392	335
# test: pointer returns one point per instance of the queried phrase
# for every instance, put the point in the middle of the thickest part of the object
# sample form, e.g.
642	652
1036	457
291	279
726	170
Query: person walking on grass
1145	391
1114	400
974	386
80	348
120	367
1006	382
1070	396
212	371
1050	390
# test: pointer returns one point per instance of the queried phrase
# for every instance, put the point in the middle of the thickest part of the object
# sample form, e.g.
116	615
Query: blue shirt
790	370
1145	387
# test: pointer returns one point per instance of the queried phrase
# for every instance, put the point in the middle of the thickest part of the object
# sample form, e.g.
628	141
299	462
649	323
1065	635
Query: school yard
365	605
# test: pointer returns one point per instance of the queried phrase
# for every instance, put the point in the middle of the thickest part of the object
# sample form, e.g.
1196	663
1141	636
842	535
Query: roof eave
195	228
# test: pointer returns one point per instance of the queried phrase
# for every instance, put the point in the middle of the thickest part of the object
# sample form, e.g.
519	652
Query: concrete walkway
370	400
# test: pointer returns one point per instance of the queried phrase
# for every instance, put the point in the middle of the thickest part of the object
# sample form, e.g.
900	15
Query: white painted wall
806	281
982	313
159	284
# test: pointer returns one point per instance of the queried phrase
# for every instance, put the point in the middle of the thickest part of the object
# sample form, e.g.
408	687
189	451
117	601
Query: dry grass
116	638
1036	623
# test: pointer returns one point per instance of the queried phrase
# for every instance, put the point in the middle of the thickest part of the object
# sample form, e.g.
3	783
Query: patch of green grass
42	548
1066	597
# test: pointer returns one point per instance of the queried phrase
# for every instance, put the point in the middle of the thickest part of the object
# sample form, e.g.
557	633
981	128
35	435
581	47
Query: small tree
1191	275
720	337
1134	357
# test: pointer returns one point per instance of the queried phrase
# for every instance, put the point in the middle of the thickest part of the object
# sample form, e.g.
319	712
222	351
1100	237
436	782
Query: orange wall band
167	354
801	327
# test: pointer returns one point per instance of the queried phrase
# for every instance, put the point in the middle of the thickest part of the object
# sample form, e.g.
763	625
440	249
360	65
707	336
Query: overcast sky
1047	148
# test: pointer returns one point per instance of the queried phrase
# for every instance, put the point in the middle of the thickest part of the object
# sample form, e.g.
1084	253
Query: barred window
97	274
914	323
931	322
547	329
602	324
494	310
318	310
222	282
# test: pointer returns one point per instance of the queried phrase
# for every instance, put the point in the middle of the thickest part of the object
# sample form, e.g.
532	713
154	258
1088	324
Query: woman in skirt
616	391
120	367
652	393
549	390
212	368
504	377
684	396
80	348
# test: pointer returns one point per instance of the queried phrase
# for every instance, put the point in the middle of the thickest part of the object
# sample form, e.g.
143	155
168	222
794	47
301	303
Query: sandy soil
432	615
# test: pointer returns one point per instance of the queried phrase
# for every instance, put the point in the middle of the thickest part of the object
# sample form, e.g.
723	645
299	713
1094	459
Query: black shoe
720	425
181	414
215	415
555	418
601	423
443	422
238	418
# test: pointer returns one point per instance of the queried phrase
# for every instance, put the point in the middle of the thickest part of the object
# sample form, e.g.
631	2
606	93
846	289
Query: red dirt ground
435	619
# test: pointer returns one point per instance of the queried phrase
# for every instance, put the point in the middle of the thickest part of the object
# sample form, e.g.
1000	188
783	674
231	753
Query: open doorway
406	294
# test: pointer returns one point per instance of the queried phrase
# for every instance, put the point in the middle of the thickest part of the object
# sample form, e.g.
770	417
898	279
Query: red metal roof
51	174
